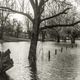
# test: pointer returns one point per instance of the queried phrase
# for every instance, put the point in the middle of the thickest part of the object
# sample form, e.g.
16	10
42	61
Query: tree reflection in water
33	70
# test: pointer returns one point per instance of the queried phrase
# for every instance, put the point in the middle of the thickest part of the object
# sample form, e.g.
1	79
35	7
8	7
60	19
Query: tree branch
32	4
25	14
36	1
63	12
42	2
59	25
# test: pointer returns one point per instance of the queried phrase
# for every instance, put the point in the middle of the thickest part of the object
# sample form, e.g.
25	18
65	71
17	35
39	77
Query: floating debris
5	61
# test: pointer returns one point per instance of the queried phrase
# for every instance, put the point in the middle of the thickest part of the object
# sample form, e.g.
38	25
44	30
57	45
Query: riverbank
13	39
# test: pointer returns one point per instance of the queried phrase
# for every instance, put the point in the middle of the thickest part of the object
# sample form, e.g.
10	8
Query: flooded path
64	65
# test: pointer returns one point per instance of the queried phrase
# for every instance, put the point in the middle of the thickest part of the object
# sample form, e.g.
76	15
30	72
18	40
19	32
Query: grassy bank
13	39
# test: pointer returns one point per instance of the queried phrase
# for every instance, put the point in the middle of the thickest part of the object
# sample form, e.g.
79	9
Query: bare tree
38	8
66	19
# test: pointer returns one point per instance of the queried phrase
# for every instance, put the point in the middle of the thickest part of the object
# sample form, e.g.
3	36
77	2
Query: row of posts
56	51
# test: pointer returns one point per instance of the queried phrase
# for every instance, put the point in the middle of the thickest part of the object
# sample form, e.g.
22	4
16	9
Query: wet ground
53	61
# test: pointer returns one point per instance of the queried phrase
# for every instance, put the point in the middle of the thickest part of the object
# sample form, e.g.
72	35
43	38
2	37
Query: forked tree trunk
33	47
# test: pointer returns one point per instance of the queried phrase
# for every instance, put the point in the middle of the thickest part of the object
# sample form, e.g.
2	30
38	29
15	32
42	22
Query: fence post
61	49
49	55
55	51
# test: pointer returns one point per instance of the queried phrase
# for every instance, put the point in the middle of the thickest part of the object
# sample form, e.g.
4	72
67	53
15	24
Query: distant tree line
61	34
9	27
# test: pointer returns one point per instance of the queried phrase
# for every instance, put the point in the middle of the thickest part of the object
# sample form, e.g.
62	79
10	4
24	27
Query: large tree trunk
34	39
32	56
33	47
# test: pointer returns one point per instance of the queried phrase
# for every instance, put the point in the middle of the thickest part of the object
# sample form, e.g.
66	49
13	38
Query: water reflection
66	65
60	66
33	70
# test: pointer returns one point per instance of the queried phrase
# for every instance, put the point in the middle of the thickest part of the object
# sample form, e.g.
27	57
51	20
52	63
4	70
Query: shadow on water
4	76
33	70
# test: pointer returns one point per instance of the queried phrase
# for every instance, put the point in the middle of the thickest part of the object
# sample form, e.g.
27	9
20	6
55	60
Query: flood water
63	65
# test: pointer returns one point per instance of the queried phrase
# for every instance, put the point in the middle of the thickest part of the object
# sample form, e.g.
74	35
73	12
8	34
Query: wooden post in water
42	52
55	51
61	49
49	55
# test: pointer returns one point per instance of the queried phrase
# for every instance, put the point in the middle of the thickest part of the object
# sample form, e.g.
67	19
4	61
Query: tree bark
32	56
34	39
33	47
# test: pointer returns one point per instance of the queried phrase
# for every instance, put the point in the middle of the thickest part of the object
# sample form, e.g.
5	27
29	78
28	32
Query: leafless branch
42	2
63	12
7	16
59	25
32	4
25	14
